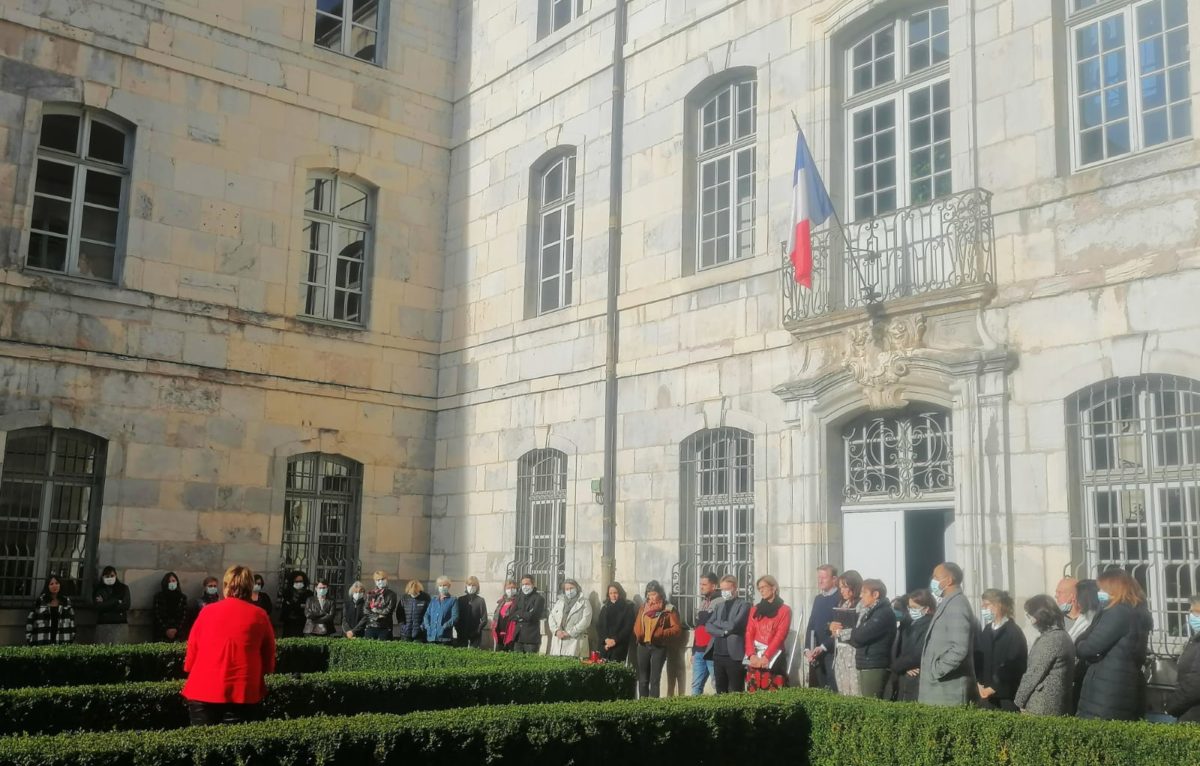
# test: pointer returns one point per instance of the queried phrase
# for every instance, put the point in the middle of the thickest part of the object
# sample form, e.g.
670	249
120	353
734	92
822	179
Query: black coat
912	641
616	622
354	616
413	611
112	603
170	611
472	617
528	613
291	610
318	617
1000	660
872	638
1184	702
1114	686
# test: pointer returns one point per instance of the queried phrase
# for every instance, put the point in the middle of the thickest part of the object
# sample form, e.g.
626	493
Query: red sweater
230	649
768	630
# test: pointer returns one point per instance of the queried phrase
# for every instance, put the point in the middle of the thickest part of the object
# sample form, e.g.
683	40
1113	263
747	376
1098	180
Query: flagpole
870	294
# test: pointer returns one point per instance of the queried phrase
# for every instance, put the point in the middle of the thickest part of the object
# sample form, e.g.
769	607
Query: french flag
811	206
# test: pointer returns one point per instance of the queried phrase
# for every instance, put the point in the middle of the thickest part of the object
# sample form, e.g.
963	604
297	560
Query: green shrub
794	726
109	664
157	704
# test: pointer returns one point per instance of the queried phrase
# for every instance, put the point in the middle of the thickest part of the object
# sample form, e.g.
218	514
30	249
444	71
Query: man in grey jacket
727	627
948	656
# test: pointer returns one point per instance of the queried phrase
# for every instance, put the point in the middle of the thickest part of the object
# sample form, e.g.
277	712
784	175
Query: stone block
192	556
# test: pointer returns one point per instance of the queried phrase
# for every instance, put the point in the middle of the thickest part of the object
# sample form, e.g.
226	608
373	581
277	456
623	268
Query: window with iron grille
905	455
541	518
716	475
350	27
1129	77
50	503
321	519
337	243
727	123
556	233
80	188
1135	446
897	109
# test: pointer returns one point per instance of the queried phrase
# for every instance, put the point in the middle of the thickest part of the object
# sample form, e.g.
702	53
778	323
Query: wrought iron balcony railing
937	246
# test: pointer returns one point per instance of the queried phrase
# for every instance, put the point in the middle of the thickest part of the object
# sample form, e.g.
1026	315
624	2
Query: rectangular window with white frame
1129	77
80	189
726	158
349	27
337	244
556	234
897	111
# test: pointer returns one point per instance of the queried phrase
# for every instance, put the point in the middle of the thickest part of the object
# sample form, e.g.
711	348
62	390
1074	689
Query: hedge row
109	664
799	726
157	705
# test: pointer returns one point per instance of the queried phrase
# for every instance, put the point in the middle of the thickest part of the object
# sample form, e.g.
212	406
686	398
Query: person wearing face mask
472	616
1114	650
318	611
291	604
1087	600
413	604
528	613
259	597
112	608
702	669
210	593
872	639
907	664
52	619
726	628
441	615
381	609
354	611
1045	689
947	674
1184	702
570	619
170	609
614	626
656	624
1064	599
504	627
1001	652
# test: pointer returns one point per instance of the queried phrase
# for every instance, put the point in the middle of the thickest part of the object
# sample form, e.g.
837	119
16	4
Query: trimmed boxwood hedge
157	704
109	664
797	726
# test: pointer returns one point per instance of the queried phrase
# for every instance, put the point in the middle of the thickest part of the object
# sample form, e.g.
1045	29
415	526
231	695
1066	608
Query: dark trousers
528	648
650	661
472	643
616	654
210	713
728	675
379	634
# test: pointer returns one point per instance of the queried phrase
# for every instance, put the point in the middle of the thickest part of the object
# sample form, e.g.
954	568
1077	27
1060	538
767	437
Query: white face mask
472	590
443	590
211	590
570	593
510	592
987	617
726	594
110	580
172	586
356	595
321	592
527	589
381	584
257	588
298	585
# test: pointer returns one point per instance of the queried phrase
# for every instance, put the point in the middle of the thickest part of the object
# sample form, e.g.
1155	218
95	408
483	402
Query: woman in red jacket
230	649
768	626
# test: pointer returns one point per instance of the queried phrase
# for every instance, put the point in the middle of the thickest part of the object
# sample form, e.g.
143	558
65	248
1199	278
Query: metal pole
608	555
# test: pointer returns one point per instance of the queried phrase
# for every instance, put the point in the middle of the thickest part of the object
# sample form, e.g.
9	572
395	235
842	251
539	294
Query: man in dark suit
816	633
727	647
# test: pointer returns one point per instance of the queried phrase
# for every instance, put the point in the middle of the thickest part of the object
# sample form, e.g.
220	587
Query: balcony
940	254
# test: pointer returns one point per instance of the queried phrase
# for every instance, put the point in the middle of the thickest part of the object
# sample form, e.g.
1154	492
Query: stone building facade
995	361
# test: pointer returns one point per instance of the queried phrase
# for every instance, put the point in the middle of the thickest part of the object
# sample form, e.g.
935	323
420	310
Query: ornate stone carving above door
877	356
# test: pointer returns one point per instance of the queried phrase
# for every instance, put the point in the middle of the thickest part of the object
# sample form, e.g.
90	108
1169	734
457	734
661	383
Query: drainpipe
608	555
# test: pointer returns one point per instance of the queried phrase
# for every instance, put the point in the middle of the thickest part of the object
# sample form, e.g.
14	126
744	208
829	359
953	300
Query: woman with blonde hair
441	614
380	611
766	630
1114	651
413	604
230	649
472	615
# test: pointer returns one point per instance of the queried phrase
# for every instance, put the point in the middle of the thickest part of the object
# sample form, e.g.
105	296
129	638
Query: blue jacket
440	618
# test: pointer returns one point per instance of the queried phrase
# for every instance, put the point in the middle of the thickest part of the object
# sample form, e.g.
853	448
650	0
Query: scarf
768	609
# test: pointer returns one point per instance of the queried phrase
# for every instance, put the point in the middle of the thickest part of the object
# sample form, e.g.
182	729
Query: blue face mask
899	613
1194	622
916	614
986	616
935	587
1103	598
1065	608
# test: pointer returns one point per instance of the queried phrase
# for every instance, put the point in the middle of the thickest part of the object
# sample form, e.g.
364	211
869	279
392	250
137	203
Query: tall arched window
716	483
50	501
897	111
550	267
337	243
541	518
80	191
1135	446
321	518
